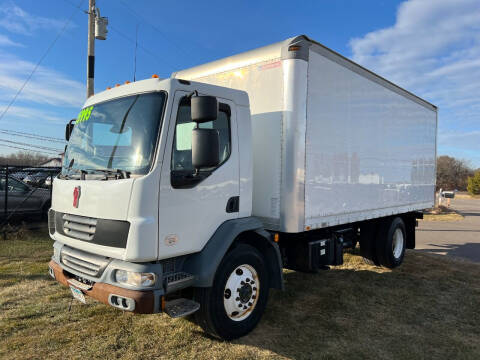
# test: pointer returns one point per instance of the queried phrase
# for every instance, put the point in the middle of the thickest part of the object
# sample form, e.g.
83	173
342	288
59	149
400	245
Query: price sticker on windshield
84	115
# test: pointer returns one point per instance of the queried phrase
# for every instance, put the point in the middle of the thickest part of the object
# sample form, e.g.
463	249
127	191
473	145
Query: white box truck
189	195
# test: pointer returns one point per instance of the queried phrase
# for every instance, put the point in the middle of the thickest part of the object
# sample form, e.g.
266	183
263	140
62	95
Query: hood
93	201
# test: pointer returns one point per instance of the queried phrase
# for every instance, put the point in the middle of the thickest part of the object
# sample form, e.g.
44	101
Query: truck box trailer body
217	178
333	143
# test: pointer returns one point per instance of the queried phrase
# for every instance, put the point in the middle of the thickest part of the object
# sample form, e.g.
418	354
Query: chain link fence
25	196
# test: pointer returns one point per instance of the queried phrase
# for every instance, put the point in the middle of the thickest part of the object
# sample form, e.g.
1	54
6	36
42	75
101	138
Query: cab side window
182	143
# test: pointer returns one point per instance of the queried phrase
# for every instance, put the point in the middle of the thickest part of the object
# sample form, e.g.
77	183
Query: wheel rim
397	243
241	292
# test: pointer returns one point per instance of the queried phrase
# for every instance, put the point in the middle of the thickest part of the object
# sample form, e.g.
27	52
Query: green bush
473	186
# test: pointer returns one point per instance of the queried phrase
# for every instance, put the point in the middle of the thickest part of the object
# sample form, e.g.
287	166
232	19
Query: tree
473	186
23	158
452	173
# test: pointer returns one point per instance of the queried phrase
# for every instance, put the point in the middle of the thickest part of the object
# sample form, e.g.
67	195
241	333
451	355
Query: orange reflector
275	237
117	85
163	303
294	48
154	76
307	228
108	87
127	82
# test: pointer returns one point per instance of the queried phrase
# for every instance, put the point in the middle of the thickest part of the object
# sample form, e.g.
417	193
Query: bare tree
452	173
23	158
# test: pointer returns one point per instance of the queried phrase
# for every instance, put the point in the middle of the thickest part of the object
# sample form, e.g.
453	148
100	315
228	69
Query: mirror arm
194	92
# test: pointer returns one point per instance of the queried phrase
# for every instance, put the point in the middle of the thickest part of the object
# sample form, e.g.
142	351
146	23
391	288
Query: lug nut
228	293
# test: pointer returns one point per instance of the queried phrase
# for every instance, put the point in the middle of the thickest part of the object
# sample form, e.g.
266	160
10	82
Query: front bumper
145	301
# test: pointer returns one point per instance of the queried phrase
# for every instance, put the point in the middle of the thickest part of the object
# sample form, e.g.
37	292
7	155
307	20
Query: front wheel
233	306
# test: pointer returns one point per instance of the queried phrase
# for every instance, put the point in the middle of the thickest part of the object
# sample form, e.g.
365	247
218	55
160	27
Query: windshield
119	134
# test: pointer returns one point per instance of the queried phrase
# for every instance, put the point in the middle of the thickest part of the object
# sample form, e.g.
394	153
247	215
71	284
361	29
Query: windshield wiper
68	176
119	173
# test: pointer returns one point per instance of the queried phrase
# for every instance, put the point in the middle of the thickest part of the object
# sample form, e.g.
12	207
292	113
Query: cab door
192	207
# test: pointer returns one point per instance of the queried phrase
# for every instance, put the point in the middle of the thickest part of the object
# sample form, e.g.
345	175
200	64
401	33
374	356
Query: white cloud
47	86
466	140
5	41
16	20
18	113
50	97
465	145
433	49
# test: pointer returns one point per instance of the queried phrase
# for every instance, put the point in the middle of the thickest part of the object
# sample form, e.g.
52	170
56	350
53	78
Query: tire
368	248
214	301
391	242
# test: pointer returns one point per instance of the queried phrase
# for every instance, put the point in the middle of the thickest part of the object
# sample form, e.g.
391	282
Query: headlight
135	278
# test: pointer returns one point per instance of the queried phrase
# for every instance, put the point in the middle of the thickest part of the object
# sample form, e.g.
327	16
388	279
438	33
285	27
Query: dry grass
443	217
442	213
428	308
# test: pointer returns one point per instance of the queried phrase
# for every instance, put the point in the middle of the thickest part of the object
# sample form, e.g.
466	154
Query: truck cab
131	214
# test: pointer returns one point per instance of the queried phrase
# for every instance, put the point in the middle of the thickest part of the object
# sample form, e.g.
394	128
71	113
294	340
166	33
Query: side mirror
204	108
205	148
69	129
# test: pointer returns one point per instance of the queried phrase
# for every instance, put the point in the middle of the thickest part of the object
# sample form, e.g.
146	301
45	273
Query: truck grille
79	227
83	262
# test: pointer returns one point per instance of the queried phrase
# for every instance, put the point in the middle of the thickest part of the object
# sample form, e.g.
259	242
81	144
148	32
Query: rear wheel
391	243
233	306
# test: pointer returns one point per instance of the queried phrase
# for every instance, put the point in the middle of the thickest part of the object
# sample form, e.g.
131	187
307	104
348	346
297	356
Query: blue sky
430	47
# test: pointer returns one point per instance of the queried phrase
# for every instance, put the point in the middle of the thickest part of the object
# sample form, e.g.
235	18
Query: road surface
455	238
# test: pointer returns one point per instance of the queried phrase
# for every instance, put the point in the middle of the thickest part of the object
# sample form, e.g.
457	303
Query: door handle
233	204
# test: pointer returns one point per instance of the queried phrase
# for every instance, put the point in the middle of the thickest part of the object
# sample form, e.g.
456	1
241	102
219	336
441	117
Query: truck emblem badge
171	240
76	196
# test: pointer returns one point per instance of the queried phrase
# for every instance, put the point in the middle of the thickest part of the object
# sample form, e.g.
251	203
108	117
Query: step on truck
190	195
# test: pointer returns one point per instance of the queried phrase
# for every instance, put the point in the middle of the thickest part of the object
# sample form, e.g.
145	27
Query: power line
49	153
32	136
60	33
31	145
151	53
122	34
139	16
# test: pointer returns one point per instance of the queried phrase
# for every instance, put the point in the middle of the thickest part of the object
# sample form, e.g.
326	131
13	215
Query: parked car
49	180
23	199
36	179
19	175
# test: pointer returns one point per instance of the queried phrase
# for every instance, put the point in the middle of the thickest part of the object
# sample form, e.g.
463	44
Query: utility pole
91	48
